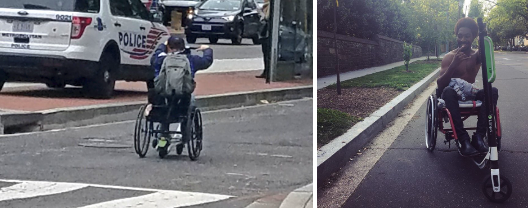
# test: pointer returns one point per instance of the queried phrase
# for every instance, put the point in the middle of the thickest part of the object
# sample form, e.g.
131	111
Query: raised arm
449	65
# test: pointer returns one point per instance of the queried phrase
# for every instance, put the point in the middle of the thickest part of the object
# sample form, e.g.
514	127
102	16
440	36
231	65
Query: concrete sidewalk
38	108
299	198
332	79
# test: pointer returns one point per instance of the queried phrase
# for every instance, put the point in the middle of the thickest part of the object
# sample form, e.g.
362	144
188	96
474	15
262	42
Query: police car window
139	10
91	6
221	5
251	4
120	8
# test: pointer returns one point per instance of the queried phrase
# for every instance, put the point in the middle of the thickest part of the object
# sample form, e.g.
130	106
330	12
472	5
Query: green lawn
397	78
332	123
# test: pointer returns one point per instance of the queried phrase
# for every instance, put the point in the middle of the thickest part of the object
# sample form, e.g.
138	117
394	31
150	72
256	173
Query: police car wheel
191	39
213	40
101	86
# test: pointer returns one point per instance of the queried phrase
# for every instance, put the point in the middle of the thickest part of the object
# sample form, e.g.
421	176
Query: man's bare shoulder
448	58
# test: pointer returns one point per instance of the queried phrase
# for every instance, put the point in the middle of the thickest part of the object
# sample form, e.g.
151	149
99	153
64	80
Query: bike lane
407	175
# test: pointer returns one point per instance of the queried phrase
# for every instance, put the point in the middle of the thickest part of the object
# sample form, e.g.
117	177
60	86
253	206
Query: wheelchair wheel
142	134
497	197
180	148
431	126
195	134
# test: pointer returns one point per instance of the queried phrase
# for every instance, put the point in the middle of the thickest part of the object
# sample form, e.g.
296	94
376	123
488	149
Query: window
121	8
90	6
138	10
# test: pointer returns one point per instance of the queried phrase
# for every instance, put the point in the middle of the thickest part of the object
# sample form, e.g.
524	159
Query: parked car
181	6
230	19
89	43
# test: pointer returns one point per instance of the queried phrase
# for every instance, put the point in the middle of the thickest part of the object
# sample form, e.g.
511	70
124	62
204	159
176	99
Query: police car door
123	28
148	35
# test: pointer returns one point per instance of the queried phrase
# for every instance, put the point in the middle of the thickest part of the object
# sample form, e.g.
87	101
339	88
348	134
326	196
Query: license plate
206	27
22	26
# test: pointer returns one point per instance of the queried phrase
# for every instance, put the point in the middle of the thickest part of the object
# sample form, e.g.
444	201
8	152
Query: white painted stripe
35	189
234	65
161	200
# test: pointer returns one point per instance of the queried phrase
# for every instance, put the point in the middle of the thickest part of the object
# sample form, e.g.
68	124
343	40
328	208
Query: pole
274	21
337	51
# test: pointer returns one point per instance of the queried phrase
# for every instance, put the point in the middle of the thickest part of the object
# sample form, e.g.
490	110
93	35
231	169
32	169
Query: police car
89	43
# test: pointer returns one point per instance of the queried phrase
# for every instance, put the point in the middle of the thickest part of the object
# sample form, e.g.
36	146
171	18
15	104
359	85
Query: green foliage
365	18
476	9
507	19
397	78
407	54
332	123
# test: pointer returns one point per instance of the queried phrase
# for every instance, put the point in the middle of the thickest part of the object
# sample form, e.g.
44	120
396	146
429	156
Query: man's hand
459	57
203	47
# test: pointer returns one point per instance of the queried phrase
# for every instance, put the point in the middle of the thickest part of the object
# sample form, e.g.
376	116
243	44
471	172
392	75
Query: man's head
466	30
175	43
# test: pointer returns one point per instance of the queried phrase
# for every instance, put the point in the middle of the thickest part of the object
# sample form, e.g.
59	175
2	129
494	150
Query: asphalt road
407	175
249	153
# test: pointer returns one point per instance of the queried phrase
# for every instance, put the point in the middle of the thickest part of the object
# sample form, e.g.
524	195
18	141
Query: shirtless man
464	63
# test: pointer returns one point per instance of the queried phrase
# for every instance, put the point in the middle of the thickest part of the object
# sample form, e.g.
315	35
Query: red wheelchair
495	187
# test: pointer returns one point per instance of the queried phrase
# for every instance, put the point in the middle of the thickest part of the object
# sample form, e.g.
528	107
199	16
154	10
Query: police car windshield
221	5
91	6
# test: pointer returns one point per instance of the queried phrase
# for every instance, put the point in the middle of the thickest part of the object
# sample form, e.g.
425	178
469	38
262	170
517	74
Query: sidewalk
332	79
39	97
299	198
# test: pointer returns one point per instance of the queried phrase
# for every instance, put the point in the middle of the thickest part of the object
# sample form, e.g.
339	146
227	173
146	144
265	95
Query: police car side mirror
156	16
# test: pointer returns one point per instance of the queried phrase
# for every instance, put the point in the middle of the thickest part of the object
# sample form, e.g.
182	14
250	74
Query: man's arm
159	49
449	65
204	62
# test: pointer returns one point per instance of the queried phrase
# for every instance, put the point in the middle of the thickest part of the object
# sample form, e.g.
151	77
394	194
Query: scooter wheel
497	197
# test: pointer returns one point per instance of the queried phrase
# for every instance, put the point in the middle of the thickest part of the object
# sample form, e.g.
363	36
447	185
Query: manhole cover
104	143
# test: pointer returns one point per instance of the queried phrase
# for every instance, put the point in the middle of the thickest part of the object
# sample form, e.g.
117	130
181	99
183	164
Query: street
407	175
227	58
249	153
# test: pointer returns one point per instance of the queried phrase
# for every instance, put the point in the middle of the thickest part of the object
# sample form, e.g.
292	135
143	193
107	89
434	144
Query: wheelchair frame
190	119
495	187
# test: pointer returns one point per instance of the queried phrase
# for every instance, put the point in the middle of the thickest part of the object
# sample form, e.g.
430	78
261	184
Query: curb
332	156
299	198
13	122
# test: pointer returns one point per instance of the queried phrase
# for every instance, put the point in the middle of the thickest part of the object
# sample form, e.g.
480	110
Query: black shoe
261	76
466	149
478	143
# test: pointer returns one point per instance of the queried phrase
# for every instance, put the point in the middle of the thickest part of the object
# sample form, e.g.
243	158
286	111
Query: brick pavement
36	98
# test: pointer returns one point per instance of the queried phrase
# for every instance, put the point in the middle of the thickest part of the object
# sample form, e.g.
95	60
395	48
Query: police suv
89	43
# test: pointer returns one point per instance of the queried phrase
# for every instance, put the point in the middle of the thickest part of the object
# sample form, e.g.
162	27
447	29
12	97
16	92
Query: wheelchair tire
195	135
162	152
431	127
497	197
142	134
180	148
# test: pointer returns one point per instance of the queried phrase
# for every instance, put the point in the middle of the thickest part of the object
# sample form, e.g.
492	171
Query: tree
407	54
476	9
508	19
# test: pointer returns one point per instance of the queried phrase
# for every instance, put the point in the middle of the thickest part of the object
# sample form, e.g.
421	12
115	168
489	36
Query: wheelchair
495	187
156	123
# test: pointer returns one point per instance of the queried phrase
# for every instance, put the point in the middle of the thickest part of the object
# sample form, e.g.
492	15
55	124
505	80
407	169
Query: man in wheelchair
173	56
464	63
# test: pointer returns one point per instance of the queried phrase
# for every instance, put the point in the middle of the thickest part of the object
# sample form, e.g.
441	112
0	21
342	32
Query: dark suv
230	19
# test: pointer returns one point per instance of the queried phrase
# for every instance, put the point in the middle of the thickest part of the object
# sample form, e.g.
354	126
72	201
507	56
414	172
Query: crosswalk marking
35	189
159	198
